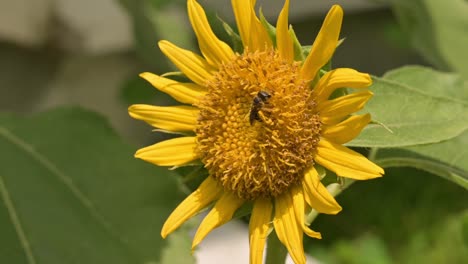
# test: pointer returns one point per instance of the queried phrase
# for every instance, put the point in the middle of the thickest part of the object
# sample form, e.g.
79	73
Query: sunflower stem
372	154
275	251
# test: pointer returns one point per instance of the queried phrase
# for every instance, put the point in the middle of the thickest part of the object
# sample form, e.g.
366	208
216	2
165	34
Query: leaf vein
404	86
66	180
453	174
16	222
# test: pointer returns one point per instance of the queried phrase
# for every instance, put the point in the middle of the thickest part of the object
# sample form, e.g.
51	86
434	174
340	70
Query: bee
258	102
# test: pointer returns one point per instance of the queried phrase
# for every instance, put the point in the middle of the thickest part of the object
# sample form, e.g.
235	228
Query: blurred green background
63	60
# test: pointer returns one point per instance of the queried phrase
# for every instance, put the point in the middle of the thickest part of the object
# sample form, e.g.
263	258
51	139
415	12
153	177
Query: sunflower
262	121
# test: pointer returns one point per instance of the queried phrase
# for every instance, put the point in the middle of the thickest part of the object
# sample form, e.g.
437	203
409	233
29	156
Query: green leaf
438	30
298	50
415	105
271	30
72	192
306	51
446	159
235	39
453	152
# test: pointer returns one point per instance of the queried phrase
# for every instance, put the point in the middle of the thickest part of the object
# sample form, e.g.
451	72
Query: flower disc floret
262	158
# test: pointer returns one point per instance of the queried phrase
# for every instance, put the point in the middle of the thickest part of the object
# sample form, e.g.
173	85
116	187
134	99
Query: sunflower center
258	128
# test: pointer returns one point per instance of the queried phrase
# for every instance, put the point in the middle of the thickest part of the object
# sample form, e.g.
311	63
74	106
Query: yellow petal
339	78
172	118
171	152
346	162
214	50
288	229
335	110
242	14
187	93
221	213
299	207
192	65
316	194
258	229
346	130
252	32
283	39
206	193
324	45
259	40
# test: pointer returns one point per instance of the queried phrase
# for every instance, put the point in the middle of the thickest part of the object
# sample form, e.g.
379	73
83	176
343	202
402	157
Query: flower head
262	119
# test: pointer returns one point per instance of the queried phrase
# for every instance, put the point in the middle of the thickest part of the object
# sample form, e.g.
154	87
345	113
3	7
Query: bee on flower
268	158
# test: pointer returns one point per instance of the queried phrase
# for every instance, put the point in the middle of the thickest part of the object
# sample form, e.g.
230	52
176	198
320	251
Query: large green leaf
72	193
415	105
438	30
447	159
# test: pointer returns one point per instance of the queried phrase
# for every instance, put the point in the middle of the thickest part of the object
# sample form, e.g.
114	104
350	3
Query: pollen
265	157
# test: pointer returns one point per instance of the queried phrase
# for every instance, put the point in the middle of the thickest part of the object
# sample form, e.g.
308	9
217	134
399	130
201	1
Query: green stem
372	154
275	251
